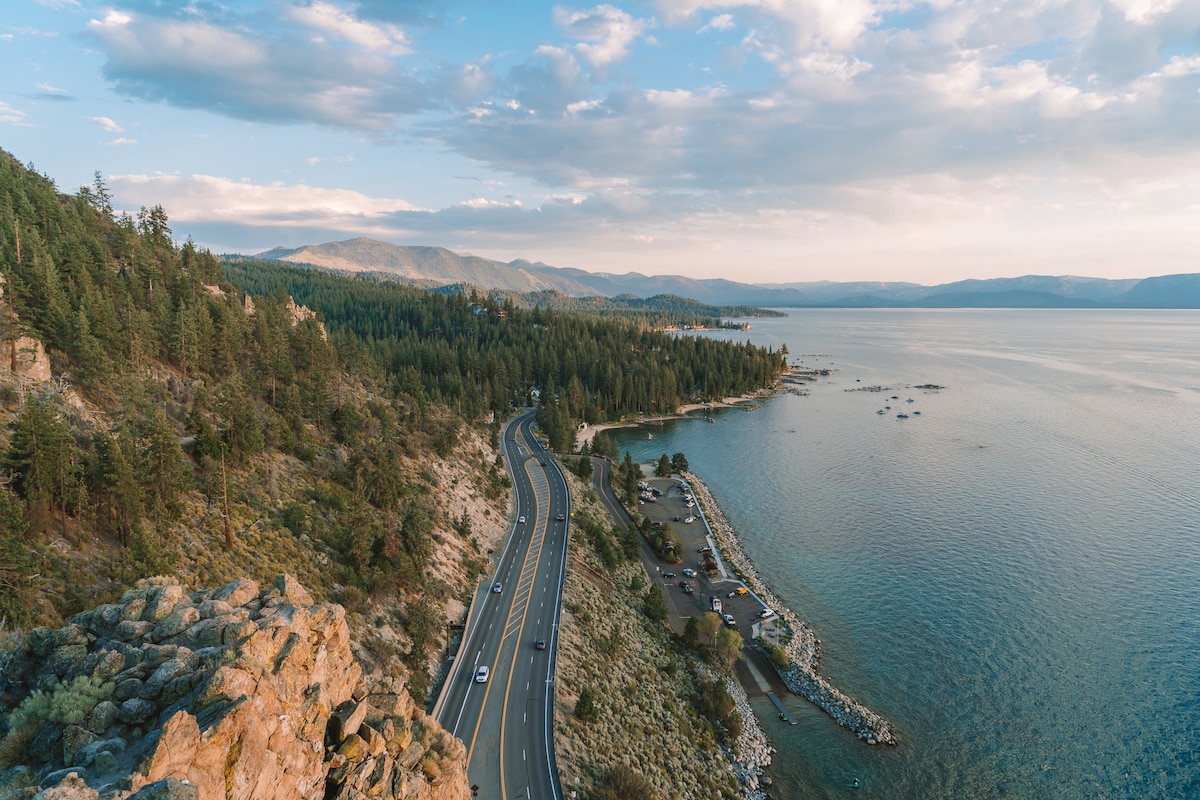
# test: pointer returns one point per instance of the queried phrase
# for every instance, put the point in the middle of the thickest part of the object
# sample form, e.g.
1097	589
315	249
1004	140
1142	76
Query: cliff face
240	692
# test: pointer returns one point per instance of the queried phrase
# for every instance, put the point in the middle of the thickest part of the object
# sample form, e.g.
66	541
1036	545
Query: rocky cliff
240	692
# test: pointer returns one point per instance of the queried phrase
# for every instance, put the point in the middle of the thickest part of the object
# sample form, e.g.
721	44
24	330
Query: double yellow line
540	536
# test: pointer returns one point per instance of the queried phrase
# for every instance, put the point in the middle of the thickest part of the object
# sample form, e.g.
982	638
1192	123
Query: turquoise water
1011	577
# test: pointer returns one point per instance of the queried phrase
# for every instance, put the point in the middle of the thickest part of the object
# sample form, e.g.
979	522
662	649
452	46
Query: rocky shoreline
802	649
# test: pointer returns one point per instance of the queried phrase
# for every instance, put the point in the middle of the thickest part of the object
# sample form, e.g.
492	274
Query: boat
902	416
909	400
881	411
918	413
649	435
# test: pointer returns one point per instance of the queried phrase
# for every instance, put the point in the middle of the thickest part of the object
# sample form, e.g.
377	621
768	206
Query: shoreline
802	676
586	435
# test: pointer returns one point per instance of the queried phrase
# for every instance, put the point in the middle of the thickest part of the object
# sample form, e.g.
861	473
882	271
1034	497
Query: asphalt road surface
507	721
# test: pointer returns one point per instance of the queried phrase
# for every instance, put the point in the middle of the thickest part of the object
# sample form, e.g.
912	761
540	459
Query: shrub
69	703
585	706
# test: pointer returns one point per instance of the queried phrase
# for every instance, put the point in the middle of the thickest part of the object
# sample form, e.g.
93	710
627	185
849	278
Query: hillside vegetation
163	412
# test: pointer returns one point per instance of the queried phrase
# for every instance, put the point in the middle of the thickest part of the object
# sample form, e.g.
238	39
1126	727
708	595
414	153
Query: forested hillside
163	412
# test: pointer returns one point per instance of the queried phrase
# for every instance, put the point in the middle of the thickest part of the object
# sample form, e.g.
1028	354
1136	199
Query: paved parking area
671	508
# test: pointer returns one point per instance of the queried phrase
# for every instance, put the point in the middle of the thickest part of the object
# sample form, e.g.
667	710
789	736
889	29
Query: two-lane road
507	721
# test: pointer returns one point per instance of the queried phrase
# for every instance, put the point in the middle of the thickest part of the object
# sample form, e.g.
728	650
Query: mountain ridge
429	265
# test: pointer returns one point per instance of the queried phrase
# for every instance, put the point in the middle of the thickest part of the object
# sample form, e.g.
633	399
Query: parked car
767	612
741	590
688	589
676	519
729	620
497	588
731	594
691	573
668	574
481	675
689	519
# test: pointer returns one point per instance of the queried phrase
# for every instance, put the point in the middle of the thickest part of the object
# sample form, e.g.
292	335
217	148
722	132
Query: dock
783	712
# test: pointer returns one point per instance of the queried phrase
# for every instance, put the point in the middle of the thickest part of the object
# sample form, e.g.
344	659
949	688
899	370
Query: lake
1011	576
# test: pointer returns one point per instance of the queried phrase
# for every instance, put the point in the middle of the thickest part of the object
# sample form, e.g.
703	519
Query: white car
497	588
766	612
689	519
520	520
481	675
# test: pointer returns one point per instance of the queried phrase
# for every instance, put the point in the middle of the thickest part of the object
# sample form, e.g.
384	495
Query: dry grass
642	681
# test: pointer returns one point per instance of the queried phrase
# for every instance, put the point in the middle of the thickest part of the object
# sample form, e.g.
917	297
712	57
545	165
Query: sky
765	141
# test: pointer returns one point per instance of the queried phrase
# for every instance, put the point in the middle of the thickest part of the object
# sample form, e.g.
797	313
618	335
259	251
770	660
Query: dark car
668	574
676	519
561	517
540	644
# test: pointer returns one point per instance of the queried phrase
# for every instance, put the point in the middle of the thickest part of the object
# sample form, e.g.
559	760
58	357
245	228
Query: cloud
122	141
721	22
321	65
339	24
10	115
108	125
216	199
606	32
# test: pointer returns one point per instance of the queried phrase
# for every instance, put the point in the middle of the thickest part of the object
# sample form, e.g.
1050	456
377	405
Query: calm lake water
1012	577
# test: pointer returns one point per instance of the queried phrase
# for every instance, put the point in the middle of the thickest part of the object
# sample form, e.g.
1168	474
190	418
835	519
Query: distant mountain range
436	266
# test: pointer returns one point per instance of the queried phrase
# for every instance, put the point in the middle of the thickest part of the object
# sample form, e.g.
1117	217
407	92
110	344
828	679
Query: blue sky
761	140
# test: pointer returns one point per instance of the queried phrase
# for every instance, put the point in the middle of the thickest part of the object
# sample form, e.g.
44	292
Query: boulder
166	789
102	716
291	590
179	620
162	603
71	787
136	710
237	592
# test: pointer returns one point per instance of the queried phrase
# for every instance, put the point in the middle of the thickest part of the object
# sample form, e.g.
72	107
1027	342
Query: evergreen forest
212	418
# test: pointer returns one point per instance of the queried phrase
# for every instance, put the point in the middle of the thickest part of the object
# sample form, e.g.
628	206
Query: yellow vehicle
742	590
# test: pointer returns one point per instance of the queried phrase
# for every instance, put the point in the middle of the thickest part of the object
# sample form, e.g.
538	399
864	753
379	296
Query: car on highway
543	463
520	520
497	588
691	573
481	674
561	517
540	644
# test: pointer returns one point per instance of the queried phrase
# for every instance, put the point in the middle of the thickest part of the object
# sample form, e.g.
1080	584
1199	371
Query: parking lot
692	584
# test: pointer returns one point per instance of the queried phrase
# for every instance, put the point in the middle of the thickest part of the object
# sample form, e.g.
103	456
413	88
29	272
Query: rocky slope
245	691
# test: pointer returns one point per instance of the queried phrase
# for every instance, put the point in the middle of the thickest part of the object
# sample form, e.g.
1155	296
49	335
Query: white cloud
338	23
1144	11
605	32
216	199
284	75
108	125
10	115
45	87
122	141
721	22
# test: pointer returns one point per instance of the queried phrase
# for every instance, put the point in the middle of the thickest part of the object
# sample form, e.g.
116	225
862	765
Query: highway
507	722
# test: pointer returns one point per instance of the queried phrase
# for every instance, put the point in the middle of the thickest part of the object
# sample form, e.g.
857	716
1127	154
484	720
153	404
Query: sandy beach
587	434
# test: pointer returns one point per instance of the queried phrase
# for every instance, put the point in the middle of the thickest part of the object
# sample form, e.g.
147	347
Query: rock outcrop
240	692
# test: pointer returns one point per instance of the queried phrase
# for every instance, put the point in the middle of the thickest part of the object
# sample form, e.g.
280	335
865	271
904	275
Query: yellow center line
488	690
525	613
